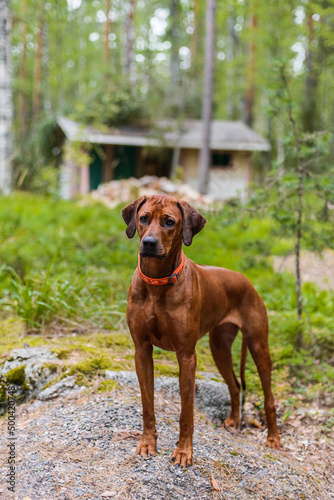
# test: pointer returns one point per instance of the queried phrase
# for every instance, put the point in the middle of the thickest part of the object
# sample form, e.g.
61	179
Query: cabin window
221	159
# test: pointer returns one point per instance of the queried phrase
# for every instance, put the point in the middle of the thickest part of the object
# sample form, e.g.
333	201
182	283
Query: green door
95	170
126	162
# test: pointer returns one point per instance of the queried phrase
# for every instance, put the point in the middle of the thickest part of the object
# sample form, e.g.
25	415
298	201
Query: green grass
66	267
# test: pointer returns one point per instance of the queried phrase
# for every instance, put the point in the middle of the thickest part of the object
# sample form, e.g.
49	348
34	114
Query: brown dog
173	302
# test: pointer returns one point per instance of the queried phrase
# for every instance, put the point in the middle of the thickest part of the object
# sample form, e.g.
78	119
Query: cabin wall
224	182
230	182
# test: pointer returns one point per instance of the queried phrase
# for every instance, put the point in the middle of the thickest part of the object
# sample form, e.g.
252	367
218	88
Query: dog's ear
193	222
129	214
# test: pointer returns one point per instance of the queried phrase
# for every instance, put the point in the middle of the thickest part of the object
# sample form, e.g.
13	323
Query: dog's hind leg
221	340
256	337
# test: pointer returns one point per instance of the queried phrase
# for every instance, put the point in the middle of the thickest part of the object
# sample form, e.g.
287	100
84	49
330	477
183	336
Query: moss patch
166	370
16	375
92	366
51	382
113	339
2	391
107	386
52	367
64	352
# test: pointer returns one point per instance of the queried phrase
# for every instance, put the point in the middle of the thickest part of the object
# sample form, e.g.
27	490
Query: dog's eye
143	219
170	222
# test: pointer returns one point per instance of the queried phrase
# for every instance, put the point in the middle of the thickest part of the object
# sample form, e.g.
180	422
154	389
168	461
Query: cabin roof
225	135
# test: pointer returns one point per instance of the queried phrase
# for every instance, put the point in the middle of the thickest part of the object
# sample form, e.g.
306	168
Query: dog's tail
243	359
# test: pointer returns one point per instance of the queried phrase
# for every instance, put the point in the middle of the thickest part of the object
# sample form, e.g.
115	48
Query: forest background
112	62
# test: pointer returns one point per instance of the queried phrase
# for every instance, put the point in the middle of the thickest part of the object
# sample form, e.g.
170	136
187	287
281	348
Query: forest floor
84	448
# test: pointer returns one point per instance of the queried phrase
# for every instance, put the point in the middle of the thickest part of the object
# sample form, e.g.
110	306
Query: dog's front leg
145	374
182	454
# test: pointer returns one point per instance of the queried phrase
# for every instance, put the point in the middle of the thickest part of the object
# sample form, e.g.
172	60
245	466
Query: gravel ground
83	448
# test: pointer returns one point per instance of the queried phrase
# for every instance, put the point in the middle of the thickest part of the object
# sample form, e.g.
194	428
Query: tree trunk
6	103
174	38
37	78
195	37
300	207
231	78
204	160
107	30
309	111
129	67
22	96
250	94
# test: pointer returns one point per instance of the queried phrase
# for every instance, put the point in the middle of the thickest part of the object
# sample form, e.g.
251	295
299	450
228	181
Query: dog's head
162	223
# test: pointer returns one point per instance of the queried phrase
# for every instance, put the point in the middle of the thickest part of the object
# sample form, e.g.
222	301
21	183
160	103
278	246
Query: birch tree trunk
37	77
204	160
6	104
22	95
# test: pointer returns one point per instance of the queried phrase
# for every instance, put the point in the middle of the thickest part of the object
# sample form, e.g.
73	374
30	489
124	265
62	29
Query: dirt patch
315	268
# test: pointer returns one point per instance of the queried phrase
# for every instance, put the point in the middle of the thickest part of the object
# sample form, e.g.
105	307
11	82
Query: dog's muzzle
150	248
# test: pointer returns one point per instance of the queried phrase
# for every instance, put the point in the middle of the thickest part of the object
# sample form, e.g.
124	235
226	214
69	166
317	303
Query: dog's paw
146	447
182	456
232	422
273	442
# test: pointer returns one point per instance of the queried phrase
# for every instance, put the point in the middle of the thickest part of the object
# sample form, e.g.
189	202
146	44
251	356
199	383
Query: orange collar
163	281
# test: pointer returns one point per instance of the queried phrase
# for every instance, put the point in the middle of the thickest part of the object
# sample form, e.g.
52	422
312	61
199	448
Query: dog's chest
160	312
161	318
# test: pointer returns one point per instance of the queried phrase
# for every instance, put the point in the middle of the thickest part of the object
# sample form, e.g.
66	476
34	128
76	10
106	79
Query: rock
64	387
27	355
211	396
123	377
28	370
34	405
33	360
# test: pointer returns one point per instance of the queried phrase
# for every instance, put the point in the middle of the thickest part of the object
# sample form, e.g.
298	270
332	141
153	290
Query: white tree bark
6	103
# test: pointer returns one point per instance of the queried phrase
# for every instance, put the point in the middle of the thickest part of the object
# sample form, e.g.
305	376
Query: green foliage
36	159
52	267
114	106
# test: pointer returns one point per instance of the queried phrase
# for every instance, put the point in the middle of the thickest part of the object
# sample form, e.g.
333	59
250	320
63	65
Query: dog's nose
150	243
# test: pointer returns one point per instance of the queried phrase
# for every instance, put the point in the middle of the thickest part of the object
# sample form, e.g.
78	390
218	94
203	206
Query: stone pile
126	190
